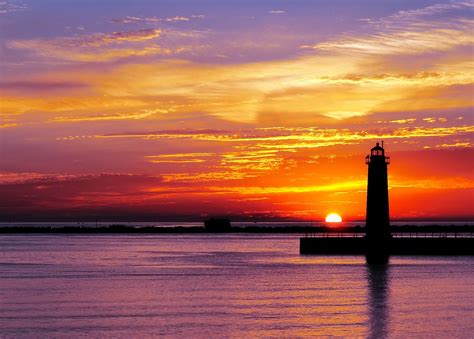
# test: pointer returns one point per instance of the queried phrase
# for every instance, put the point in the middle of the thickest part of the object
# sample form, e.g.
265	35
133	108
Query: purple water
228	285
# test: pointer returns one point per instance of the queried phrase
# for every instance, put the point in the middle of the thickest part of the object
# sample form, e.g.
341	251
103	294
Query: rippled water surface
223	285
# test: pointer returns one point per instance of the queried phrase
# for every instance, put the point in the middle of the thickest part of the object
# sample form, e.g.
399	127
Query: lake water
229	285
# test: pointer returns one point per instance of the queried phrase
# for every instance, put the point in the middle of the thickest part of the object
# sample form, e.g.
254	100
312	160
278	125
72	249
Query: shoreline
124	229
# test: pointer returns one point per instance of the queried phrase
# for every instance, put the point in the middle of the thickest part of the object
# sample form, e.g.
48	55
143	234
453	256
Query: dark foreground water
223	286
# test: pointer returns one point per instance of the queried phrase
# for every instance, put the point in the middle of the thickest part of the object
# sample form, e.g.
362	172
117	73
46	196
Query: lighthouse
378	243
377	217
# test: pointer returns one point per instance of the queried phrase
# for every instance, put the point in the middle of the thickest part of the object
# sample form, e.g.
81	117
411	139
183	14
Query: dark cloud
40	86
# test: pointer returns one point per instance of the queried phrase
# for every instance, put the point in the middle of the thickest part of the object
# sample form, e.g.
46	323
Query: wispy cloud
276	11
179	158
260	160
455	145
6	125
408	42
10	6
204	177
91	40
412	32
96	47
110	116
432	10
136	19
153	20
177	19
302	137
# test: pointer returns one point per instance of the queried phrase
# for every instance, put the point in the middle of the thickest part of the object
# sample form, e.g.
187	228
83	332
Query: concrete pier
395	246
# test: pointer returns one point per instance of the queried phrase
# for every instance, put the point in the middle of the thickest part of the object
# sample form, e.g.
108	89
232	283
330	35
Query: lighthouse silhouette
377	218
378	243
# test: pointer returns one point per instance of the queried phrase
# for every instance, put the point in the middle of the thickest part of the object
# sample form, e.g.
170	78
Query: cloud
8	125
177	19
32	87
455	145
277	12
179	158
131	36
41	193
301	91
408	42
93	40
136	19
269	140
432	10
434	28
255	160
253	190
153	20
222	129
223	174
315	88
9	178
403	121
9	6
95	47
110	116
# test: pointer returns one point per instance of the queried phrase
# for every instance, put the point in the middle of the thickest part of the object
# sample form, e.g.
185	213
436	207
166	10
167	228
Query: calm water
222	285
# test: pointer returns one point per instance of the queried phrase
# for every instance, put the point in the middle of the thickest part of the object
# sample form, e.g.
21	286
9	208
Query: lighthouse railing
403	234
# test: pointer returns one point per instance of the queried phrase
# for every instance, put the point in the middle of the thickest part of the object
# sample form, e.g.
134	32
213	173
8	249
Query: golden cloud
95	47
307	90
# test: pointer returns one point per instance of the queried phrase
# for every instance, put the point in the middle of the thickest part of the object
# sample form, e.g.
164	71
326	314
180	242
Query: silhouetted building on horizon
377	218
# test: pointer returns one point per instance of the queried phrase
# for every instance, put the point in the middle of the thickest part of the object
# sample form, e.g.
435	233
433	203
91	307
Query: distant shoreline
125	229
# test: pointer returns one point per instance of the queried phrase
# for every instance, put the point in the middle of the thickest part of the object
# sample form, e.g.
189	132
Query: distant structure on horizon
377	218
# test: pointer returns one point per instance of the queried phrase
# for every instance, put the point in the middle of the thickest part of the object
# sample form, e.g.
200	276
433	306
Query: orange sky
167	112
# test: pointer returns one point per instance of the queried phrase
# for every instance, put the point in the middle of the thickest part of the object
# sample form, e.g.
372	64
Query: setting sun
333	217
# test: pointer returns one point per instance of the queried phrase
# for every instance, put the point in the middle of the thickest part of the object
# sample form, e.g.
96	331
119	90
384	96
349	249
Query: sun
333	217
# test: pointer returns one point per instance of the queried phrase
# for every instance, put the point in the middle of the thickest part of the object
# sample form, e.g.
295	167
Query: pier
420	243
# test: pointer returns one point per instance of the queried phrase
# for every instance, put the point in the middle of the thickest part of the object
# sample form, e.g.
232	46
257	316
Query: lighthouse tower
377	219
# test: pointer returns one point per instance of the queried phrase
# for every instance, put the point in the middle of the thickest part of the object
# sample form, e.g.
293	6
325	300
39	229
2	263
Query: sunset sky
176	110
